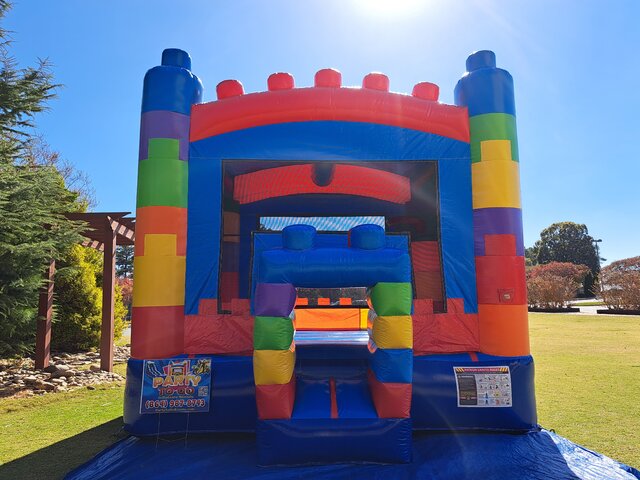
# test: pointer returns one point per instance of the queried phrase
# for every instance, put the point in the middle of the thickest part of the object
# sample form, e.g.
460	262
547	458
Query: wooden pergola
104	232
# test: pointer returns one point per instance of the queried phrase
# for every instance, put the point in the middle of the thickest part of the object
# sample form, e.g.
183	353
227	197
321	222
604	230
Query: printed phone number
190	403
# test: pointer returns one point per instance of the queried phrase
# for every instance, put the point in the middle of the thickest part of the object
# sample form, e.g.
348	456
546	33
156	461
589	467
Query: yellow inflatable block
393	331
273	367
495	151
159	281
495	184
160	245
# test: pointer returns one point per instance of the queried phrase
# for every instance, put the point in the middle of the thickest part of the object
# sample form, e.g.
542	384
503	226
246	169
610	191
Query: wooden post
43	325
108	283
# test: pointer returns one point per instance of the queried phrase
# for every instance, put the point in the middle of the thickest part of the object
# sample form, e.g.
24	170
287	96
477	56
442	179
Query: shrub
78	303
620	284
554	284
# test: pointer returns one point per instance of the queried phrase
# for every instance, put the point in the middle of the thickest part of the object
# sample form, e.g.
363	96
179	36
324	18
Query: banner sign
483	386
176	385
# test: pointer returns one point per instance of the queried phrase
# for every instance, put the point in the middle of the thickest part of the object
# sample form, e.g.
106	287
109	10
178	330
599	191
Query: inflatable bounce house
332	270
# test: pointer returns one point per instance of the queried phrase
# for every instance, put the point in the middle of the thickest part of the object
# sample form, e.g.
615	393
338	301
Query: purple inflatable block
497	221
164	124
274	299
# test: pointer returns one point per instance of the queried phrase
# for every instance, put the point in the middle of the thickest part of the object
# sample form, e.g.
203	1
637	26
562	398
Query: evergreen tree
32	229
124	261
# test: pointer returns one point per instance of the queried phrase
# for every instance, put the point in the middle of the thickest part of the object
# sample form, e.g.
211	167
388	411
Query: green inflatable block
162	182
272	333
168	148
390	299
493	126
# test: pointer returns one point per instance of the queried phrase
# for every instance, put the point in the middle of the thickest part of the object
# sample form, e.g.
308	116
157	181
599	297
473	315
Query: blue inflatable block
298	237
434	404
299	442
334	267
485	89
368	237
392	365
171	87
232	408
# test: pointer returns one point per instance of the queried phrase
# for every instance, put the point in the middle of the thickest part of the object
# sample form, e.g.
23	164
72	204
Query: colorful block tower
487	92
161	216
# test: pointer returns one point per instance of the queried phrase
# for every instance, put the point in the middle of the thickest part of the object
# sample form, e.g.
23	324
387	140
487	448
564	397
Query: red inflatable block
422	305
280	81
392	400
501	280
276	401
426	91
208	306
229	88
328	77
211	332
500	245
449	332
376	81
157	332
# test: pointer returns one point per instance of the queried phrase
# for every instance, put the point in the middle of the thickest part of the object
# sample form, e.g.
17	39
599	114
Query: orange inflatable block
504	329
161	220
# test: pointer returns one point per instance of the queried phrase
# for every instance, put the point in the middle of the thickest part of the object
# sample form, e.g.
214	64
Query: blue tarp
536	455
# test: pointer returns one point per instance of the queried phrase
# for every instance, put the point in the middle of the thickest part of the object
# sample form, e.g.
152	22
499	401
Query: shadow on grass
54	461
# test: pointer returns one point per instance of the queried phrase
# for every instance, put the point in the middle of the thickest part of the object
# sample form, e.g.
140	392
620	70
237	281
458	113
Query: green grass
587	382
44	437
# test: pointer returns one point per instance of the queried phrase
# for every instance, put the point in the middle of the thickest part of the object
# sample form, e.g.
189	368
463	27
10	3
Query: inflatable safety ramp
334	404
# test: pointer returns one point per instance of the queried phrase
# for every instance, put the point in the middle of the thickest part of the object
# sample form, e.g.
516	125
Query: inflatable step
333	421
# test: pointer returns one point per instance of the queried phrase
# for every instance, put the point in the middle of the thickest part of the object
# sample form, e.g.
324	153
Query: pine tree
32	199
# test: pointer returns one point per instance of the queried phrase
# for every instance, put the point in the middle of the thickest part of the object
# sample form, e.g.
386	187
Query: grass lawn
587	381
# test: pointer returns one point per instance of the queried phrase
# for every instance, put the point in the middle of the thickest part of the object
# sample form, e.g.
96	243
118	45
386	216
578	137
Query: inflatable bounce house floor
536	455
329	282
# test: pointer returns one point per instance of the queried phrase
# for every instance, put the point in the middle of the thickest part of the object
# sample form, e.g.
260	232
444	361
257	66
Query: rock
63	368
59	381
90	387
95	368
30	379
50	368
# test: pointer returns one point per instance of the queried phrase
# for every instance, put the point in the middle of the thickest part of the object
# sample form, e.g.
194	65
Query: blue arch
329	141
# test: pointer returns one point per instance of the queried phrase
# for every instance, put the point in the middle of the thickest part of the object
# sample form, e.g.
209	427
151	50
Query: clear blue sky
575	65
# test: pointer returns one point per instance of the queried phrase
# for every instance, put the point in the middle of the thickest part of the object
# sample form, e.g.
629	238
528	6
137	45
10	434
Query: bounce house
335	275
